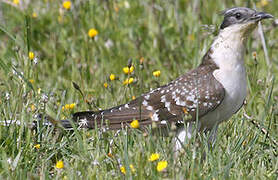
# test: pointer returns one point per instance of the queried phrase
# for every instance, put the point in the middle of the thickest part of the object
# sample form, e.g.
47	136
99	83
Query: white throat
229	47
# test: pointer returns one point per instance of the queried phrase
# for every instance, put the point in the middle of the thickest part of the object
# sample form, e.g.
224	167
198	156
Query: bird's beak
261	15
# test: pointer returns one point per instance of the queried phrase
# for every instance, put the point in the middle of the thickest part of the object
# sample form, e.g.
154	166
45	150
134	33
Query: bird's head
241	19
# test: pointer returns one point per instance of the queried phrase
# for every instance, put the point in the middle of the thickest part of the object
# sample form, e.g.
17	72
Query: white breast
228	53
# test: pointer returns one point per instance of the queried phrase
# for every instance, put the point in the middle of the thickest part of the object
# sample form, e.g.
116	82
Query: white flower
20	75
108	44
126	4
7	96
14	72
44	98
36	60
95	162
9	160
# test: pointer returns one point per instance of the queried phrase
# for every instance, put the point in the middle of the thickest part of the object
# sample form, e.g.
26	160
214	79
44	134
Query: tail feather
66	123
147	109
114	118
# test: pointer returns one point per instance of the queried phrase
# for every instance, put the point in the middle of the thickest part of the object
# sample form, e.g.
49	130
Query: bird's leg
212	136
183	133
186	132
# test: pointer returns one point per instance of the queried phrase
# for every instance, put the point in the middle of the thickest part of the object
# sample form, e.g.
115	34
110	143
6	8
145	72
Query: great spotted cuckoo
211	93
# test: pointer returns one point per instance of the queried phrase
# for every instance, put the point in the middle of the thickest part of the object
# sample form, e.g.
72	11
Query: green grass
170	36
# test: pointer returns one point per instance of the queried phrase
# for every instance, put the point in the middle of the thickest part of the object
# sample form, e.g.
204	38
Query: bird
209	94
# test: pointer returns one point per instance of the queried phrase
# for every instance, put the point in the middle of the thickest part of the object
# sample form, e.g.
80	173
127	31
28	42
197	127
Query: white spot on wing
147	96
181	103
145	103
163	98
149	108
167	105
190	98
155	117
163	122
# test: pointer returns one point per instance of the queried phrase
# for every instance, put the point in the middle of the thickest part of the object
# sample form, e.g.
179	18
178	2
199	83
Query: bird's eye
238	15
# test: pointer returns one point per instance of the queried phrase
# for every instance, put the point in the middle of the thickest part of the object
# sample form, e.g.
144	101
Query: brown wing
195	93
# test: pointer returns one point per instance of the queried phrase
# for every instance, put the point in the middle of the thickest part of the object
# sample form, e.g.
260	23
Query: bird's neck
228	48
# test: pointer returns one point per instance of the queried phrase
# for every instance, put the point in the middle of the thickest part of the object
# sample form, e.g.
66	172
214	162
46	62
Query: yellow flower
142	59
128	81
112	77
161	165
16	2
131	69
116	8
156	73
31	81
67	106
67	5
128	70
254	54
135	124
60	164
105	85
37	146
264	3
39	90
154	157
92	32
33	107
72	105
133	97
34	15
132	168
122	168
110	155
31	55
125	82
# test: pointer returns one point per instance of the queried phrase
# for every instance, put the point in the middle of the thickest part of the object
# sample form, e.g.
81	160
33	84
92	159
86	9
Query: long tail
39	118
146	112
110	119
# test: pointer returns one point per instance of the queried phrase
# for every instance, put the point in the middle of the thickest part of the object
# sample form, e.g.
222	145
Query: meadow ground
46	45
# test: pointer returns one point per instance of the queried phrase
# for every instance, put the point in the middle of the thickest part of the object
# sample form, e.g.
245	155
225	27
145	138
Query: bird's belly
234	83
